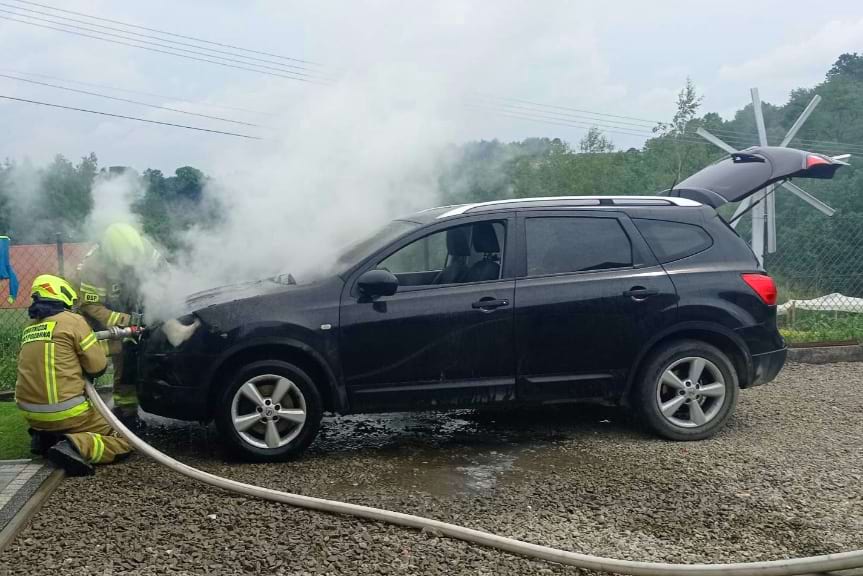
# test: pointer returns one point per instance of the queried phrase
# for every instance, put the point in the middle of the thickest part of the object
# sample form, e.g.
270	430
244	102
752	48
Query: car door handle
489	304
639	293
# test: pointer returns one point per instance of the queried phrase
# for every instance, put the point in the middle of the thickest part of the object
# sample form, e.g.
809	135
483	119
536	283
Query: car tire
687	390
270	411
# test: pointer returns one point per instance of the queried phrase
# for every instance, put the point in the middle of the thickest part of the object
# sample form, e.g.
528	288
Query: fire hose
787	567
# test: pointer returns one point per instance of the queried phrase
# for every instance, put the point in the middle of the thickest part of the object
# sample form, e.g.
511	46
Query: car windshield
356	252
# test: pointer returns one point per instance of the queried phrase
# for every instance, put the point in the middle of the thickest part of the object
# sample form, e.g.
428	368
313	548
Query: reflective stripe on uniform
98	448
50	374
55	416
113	318
88	341
58	407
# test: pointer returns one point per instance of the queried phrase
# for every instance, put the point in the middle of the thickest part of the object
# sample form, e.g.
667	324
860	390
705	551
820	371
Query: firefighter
108	282
58	349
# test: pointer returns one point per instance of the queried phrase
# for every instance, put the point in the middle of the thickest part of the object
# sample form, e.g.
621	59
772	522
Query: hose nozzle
118	333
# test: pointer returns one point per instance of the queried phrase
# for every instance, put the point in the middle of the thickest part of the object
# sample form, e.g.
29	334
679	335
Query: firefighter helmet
49	287
124	245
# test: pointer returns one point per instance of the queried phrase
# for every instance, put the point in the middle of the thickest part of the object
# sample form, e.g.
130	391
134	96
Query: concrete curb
22	518
826	354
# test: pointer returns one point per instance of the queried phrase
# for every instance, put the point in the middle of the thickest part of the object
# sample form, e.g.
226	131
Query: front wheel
270	411
687	390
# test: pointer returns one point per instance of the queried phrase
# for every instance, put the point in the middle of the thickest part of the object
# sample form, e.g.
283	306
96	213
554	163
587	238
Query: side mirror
375	283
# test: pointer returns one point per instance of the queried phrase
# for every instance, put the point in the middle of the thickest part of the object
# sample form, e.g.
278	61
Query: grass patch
14	440
12	321
812	326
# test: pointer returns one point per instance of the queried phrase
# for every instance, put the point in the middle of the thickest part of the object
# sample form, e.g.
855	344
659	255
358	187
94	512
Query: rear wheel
687	390
271	411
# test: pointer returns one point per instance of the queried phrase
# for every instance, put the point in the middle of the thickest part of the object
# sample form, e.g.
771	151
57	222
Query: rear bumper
766	366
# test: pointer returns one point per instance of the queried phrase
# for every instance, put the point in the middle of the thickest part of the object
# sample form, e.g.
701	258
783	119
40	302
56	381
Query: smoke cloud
342	163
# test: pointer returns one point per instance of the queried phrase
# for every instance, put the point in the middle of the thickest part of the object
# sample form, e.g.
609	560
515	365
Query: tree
595	142
847	65
688	103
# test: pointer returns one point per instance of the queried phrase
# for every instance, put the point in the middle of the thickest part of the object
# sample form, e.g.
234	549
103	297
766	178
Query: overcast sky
626	58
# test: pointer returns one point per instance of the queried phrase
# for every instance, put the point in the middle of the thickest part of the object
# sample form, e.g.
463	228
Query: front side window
559	245
457	255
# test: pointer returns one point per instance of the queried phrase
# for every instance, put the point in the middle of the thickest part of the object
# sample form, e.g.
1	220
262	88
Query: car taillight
813	160
763	285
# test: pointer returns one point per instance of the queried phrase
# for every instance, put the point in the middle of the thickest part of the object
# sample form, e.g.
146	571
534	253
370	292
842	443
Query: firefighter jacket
56	353
105	296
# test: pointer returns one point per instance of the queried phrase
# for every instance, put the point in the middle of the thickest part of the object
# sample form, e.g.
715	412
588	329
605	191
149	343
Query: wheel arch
295	352
719	336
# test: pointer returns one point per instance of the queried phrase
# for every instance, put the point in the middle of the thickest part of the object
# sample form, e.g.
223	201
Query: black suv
651	302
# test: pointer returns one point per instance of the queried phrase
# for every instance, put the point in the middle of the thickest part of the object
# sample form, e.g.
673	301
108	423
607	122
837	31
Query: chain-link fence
28	261
819	272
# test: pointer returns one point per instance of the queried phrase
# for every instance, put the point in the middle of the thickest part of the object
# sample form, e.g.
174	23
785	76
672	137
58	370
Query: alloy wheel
691	391
268	411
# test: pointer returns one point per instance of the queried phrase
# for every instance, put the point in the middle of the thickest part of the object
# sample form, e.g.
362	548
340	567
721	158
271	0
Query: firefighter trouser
125	395
93	437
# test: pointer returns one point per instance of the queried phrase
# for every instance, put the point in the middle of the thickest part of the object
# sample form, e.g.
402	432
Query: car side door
446	336
590	293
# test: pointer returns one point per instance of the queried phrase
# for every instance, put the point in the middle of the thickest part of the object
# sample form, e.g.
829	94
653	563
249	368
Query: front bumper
170	380
160	398
765	367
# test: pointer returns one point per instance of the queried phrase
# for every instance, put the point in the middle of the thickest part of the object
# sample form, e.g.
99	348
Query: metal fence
28	261
819	272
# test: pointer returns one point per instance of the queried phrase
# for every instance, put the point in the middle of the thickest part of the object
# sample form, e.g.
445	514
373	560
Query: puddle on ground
443	454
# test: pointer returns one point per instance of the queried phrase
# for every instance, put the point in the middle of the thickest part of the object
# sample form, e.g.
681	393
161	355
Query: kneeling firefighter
58	349
108	279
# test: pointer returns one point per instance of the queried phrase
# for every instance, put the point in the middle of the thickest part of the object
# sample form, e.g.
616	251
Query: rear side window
673	240
557	245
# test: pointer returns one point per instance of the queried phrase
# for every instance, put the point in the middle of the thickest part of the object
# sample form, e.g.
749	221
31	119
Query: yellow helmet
50	287
124	245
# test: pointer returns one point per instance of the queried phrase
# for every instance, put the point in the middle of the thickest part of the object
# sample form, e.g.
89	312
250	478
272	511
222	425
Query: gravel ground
784	479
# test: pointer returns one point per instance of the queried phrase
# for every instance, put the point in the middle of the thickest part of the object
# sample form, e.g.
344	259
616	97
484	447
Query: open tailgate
743	173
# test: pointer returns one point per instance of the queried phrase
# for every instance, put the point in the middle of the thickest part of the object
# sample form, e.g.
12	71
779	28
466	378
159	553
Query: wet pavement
441	453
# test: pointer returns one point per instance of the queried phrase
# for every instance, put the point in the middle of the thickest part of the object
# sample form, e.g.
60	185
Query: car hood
743	173
233	292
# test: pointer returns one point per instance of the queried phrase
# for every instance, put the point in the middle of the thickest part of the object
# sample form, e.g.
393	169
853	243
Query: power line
309	81
520	100
168	33
565	115
129	101
742	142
586	124
648	123
101	26
571	124
151	94
130	118
101	34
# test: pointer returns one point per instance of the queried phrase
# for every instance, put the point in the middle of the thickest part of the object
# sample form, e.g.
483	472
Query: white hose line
788	567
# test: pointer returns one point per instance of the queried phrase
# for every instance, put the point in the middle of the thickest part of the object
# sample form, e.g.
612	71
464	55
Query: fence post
61	264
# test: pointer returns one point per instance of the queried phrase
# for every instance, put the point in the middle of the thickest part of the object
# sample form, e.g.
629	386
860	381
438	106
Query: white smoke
343	162
114	196
340	160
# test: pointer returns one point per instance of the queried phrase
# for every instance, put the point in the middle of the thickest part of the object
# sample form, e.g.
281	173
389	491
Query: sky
626	58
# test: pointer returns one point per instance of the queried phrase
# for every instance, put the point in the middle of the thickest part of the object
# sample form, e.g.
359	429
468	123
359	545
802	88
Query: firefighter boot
65	455
41	441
